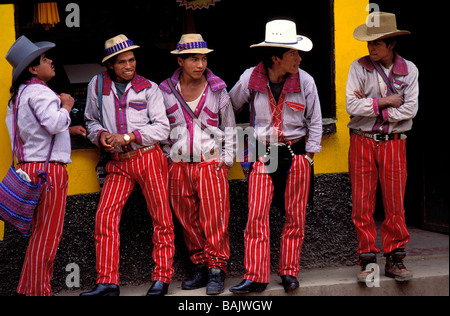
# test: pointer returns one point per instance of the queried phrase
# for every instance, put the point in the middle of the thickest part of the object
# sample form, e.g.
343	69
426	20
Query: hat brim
304	44
43	47
192	51
361	34
120	52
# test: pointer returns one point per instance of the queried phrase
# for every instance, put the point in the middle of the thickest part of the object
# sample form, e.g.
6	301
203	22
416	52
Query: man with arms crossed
382	99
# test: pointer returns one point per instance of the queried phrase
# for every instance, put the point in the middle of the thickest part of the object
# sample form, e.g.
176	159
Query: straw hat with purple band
191	44
118	45
382	25
283	33
23	52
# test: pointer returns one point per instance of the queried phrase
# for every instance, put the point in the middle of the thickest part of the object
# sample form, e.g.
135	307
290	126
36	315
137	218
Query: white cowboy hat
379	25
23	52
283	33
191	44
118	45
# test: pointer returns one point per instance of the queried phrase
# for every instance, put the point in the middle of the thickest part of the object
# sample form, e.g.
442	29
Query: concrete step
431	278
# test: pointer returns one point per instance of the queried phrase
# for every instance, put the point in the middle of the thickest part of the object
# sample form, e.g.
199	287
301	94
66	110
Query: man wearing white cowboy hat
131	123
382	99
202	149
42	116
283	98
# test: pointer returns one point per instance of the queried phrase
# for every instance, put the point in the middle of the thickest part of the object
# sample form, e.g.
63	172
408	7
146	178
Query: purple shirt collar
259	81
138	83
400	67
215	83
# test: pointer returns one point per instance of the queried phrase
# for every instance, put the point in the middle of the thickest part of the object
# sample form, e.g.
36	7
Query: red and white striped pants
199	194
150	171
47	229
370	161
257	233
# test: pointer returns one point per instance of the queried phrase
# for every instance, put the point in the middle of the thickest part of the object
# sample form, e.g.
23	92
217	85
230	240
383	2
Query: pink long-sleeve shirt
214	110
365	112
301	113
140	110
40	118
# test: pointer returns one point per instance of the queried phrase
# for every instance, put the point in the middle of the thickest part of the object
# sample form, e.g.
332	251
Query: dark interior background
427	198
229	27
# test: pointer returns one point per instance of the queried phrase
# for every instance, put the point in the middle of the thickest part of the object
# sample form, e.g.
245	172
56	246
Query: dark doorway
428	191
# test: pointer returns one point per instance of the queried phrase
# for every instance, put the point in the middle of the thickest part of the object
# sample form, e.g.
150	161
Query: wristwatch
126	138
310	160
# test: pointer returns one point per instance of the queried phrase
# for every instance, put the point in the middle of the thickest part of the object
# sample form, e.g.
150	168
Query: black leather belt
380	137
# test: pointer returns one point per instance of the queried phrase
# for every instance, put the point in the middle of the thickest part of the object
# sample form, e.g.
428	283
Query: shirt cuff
313	148
138	137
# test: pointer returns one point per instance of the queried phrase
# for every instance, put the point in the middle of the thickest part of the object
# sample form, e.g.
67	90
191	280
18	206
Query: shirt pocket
172	114
400	86
298	107
294	113
138	106
137	113
213	117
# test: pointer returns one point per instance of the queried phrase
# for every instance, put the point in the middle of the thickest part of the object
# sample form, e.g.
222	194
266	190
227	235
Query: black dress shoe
158	288
290	283
216	283
247	286
199	280
103	289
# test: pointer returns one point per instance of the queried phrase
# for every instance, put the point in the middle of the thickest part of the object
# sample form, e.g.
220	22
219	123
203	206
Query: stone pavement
428	258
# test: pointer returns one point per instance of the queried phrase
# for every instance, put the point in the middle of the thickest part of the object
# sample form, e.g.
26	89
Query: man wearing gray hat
42	119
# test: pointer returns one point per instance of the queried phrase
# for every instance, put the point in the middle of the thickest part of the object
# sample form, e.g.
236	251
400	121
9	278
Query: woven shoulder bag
18	197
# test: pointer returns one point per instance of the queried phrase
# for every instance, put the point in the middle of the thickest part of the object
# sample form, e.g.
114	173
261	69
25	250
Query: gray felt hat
23	52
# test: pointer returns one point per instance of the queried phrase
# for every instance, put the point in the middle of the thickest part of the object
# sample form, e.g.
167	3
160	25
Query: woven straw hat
379	25
191	44
118	45
283	33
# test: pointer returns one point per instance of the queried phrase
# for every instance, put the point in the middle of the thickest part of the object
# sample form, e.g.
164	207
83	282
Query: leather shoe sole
247	286
103	289
158	288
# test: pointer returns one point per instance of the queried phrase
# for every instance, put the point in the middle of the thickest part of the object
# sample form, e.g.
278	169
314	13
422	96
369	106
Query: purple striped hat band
191	45
118	47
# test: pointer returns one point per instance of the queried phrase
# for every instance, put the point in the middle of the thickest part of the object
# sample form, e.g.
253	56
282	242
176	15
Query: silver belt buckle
383	137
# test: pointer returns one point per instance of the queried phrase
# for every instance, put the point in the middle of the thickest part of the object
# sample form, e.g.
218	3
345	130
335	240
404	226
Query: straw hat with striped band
191	44
118	45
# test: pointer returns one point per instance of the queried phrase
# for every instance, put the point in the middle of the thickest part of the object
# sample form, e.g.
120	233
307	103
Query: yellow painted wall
82	176
348	15
7	38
